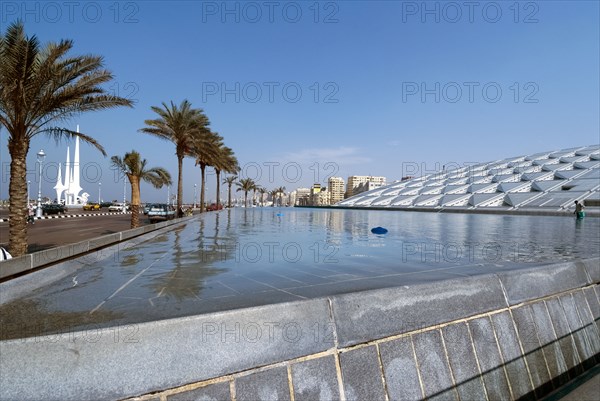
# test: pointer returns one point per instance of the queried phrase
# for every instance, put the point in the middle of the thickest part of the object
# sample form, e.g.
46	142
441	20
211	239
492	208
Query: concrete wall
511	335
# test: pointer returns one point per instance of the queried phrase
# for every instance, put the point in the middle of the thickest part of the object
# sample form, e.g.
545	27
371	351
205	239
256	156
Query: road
49	233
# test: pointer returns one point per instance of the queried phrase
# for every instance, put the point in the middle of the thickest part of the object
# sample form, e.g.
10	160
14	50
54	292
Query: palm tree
135	168
254	189
246	185
205	150
273	194
262	191
229	181
280	192
39	88
227	162
181	125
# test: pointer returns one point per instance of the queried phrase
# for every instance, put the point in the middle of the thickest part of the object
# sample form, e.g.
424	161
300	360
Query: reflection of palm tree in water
216	237
191	267
37	317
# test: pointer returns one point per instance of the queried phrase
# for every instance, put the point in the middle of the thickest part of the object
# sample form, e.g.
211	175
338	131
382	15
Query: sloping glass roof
515	187
518	199
543	186
545	180
455	200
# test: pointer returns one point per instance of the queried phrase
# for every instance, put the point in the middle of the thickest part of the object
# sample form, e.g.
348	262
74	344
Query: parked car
53	208
105	204
160	212
117	207
213	207
91	206
147	207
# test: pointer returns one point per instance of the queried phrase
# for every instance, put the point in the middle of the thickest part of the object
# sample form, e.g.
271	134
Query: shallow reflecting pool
238	258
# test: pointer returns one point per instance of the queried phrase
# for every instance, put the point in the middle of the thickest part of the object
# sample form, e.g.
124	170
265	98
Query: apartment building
335	186
361	183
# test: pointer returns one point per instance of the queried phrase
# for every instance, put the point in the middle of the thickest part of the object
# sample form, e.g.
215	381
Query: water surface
247	257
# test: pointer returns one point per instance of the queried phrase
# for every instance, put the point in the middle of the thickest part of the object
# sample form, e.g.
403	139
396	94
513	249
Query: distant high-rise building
322	198
361	183
335	185
314	193
302	197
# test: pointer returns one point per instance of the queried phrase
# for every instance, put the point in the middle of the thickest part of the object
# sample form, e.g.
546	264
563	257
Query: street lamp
99	189
124	193
195	185
40	157
28	196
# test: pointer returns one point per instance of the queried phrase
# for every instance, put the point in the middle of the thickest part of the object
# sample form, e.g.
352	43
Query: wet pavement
239	258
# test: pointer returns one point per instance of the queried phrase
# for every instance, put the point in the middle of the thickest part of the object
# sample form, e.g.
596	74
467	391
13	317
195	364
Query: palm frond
63	133
43	87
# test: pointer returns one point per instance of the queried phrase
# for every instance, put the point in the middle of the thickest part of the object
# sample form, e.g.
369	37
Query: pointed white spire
75	187
59	187
67	178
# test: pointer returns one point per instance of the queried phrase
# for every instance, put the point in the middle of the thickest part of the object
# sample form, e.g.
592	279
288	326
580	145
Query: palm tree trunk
202	185
179	185
246	199
17	190
135	201
229	197
218	172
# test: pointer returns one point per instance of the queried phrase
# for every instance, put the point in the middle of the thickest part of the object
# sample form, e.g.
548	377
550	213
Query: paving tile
592	300
270	385
563	333
534	355
243	285
315	380
589	326
433	366
512	355
400	368
490	361
274	280
550	345
586	352
304	278
361	374
462	362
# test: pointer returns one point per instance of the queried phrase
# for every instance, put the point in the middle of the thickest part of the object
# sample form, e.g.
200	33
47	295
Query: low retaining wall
511	335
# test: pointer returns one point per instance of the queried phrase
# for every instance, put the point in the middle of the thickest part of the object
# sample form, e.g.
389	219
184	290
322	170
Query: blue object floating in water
379	230
279	214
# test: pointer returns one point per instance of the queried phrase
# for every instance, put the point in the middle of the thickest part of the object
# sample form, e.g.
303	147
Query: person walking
579	210
30	214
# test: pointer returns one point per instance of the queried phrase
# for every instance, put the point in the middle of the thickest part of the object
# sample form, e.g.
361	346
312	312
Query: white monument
70	188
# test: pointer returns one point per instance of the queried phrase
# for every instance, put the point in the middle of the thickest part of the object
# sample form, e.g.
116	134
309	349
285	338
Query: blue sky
304	90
